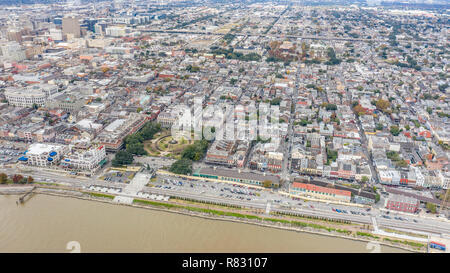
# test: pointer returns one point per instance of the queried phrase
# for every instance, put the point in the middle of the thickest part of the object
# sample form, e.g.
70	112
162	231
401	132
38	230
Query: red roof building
320	192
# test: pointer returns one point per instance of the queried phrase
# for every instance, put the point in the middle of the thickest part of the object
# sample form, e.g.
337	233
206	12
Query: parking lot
10	154
239	192
118	177
243	193
215	189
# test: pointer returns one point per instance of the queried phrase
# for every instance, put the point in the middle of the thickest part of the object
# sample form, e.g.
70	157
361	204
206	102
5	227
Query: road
288	145
205	192
364	145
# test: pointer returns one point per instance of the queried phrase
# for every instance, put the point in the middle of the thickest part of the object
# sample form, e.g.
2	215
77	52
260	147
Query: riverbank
237	217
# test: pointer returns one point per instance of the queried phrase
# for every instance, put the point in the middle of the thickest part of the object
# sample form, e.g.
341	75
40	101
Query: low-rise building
402	203
112	135
320	192
85	157
239	177
42	154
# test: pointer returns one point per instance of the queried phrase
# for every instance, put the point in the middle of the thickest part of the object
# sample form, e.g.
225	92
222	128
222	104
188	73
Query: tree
332	57
134	139
17	178
431	207
382	105
30	179
181	166
377	198
331	107
139	109
395	130
122	158
3	178
443	87
358	109
149	130
136	148
191	68
196	151
267	183
379	126
331	156
275	101
364	179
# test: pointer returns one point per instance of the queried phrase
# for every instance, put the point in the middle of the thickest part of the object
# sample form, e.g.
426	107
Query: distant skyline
376	2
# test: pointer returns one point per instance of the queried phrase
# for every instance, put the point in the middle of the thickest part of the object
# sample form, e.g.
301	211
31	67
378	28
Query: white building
13	51
118	50
84	157
56	34
42	154
445	179
389	177
116	31
27	97
420	179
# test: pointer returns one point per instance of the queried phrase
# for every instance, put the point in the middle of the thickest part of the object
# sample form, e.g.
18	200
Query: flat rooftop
237	174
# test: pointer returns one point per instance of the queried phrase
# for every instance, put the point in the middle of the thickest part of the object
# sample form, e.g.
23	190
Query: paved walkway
401	236
374	223
268	208
137	184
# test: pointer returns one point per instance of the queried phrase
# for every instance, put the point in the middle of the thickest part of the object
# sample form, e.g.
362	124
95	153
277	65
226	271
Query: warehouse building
239	177
311	190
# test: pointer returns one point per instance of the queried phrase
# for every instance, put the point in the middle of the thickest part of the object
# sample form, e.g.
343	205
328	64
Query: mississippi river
47	223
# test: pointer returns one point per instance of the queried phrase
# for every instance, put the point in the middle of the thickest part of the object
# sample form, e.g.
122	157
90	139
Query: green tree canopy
182	166
3	178
395	131
122	158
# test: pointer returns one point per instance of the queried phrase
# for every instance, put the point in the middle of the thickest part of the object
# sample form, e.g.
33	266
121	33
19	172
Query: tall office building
71	25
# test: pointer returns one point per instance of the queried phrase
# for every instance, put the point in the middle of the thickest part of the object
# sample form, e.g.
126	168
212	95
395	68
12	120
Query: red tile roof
426	134
312	187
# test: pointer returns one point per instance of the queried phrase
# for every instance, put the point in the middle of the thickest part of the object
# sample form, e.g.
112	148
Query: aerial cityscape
329	118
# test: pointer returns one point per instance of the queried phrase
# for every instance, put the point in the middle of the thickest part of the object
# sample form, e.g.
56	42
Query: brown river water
48	223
